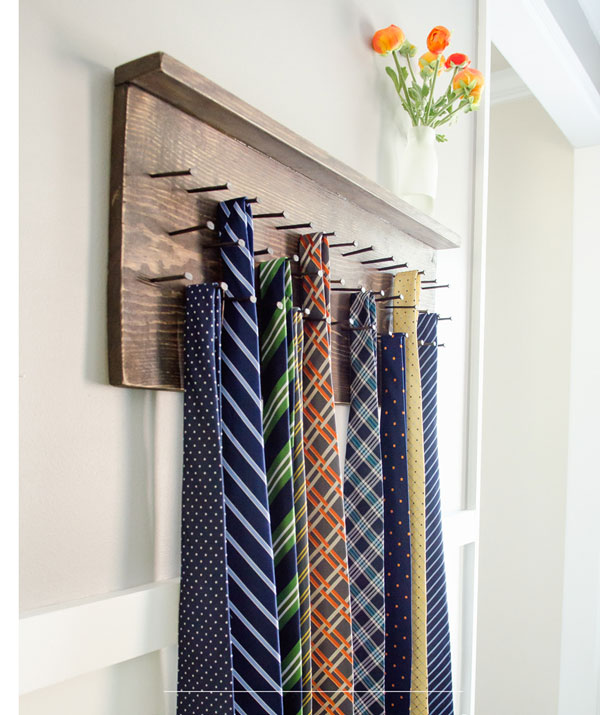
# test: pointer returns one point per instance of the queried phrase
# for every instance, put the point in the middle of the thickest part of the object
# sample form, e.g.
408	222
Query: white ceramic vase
418	171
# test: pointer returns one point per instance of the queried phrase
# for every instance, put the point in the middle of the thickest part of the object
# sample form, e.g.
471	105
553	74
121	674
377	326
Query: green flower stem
410	69
435	74
450	115
451	80
401	79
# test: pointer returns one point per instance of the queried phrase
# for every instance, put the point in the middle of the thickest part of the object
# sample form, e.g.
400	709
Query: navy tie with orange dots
397	562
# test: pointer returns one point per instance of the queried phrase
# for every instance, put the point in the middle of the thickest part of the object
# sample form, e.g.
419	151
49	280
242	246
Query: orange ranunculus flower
438	39
388	39
469	83
458	59
427	63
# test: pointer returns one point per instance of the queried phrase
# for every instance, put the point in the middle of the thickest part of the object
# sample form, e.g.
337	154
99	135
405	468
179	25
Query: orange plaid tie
331	635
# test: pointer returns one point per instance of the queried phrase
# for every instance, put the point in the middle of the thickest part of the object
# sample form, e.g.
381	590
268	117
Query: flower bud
458	59
386	40
427	64
469	83
438	39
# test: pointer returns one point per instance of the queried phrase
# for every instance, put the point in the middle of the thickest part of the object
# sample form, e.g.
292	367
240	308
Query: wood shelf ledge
173	82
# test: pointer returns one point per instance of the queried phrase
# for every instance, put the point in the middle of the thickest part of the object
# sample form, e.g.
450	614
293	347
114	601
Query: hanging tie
363	504
250	566
275	313
300	508
398	638
331	636
204	660
408	284
438	629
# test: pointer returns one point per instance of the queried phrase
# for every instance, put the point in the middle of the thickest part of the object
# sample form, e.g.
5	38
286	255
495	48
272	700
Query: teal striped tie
275	314
300	507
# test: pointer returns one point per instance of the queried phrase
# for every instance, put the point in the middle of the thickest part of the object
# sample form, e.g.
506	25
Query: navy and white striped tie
250	566
363	506
439	666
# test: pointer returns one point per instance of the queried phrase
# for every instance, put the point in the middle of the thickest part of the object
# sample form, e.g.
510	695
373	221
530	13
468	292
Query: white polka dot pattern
205	679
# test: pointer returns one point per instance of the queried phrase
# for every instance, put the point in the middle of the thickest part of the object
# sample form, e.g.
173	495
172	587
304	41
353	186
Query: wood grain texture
181	86
144	320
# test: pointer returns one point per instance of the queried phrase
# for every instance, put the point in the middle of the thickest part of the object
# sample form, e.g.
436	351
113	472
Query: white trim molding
70	639
532	41
64	641
506	86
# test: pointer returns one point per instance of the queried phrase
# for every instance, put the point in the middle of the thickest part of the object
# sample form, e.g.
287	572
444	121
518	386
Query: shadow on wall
137	556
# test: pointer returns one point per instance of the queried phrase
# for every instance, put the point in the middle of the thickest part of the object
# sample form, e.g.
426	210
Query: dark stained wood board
145	321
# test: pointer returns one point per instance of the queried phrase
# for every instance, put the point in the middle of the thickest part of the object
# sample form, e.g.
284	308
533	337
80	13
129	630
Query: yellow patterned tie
408	284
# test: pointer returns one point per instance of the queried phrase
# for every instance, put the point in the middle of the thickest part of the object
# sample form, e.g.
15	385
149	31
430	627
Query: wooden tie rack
175	131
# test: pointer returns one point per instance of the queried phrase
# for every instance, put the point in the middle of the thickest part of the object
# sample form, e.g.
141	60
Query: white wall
525	413
580	644
100	465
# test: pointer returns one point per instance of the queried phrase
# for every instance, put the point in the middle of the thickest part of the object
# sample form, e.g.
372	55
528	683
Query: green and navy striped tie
297	348
275	319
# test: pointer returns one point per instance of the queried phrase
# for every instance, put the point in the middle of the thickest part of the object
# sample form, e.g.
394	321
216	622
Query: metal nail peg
275	214
208	225
359	250
445	285
318	320
338	281
243	299
192	171
289	227
239	243
390	297
345	244
164	279
265	252
202	189
328	233
397	265
448	318
254	200
433	280
378	260
398	307
360	289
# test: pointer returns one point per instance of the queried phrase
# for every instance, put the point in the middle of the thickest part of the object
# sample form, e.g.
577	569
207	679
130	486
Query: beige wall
101	465
525	412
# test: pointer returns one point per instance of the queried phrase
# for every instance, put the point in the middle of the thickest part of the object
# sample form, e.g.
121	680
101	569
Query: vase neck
421	134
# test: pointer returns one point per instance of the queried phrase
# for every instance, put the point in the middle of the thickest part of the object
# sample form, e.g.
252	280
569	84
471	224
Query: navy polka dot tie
204	672
396	526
